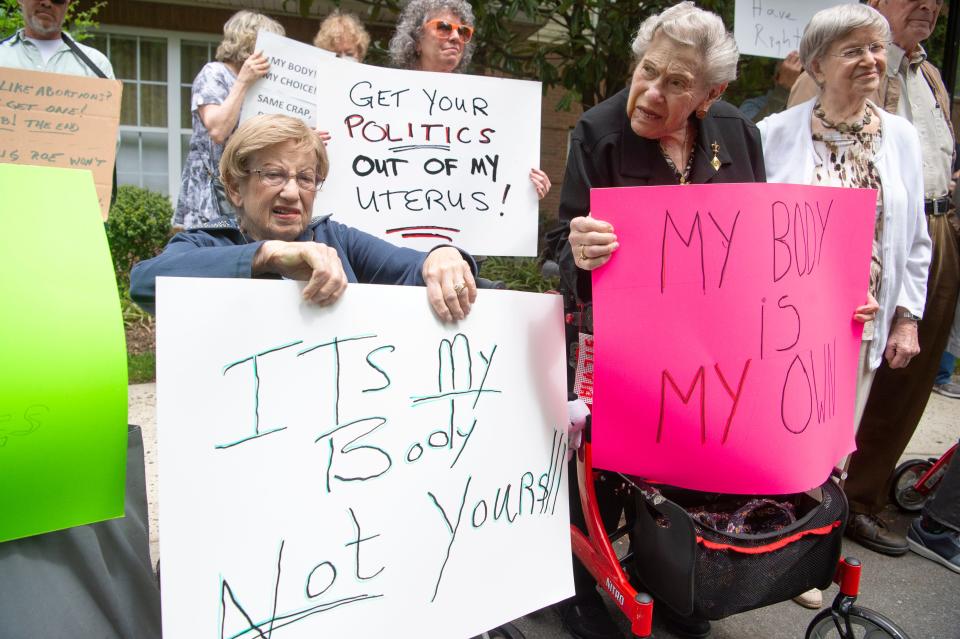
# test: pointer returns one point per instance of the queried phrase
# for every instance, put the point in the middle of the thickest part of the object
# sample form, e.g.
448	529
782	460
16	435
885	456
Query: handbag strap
83	56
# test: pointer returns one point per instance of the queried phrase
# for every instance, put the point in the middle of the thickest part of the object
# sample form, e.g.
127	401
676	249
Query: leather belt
937	206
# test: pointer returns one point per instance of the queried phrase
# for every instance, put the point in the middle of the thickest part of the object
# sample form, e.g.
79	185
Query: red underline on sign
445	237
421	231
401	229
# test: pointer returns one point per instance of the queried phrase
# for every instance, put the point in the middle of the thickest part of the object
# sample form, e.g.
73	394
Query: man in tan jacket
911	88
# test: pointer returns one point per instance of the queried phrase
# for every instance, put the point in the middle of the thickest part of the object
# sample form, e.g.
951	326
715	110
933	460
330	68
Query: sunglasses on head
445	29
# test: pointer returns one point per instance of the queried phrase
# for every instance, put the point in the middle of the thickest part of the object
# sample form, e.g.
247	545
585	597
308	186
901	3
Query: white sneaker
812	599
950	389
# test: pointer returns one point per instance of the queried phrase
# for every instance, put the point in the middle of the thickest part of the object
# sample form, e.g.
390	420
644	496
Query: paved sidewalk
920	596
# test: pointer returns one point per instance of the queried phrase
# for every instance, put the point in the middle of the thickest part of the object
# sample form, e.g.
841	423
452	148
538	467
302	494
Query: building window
141	63
157	69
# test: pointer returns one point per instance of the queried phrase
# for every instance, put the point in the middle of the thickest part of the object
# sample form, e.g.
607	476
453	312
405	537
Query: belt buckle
940	206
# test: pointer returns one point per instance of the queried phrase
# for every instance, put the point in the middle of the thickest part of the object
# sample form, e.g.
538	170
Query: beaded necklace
842	127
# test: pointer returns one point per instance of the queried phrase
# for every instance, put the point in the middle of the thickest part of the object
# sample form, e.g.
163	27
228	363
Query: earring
702	112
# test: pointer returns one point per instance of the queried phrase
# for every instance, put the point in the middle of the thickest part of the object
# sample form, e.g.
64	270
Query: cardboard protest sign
63	367
362	470
725	345
773	28
290	86
421	158
49	119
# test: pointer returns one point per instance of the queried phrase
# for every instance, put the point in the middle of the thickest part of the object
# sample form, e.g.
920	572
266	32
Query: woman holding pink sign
667	127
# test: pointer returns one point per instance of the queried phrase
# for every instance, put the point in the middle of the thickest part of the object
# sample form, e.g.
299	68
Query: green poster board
63	375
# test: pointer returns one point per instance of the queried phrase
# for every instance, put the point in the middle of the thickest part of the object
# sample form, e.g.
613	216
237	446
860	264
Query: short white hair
689	25
829	25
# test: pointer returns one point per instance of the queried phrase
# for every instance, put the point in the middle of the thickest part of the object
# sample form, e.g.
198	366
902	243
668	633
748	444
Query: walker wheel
860	623
905	476
506	631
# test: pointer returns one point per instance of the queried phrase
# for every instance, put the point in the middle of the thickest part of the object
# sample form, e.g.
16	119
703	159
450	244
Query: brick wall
555	129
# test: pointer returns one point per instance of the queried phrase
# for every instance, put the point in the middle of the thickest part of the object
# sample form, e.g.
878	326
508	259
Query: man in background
42	45
95	580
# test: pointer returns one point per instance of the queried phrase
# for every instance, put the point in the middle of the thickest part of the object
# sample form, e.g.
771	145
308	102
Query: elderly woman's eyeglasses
306	180
855	53
445	29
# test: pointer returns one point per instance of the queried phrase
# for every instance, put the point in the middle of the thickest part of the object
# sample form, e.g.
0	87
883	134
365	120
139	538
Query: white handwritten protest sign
773	28
290	86
362	470
419	158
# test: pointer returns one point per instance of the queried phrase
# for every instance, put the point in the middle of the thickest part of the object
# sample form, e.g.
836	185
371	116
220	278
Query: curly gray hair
405	40
704	31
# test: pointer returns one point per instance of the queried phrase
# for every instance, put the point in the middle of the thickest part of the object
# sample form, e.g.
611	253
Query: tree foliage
583	46
78	22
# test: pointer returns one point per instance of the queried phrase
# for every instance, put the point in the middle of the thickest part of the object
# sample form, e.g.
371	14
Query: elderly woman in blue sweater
272	168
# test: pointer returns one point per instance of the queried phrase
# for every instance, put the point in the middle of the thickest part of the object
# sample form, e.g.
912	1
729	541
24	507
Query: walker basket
702	571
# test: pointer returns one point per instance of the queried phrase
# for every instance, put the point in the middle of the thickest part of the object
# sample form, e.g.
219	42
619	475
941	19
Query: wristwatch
904	314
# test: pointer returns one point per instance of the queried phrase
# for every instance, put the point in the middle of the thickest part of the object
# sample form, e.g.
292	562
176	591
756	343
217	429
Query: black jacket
605	152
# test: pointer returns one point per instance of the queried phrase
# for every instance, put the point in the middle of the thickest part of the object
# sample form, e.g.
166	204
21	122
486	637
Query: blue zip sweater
221	250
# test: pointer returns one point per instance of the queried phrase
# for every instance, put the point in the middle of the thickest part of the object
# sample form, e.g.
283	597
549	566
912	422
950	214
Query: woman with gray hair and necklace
437	35
842	139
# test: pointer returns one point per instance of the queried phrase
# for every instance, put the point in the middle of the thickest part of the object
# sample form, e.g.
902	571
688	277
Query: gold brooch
715	162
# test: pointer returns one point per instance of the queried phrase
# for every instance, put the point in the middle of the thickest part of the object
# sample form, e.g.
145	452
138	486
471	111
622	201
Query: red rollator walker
711	574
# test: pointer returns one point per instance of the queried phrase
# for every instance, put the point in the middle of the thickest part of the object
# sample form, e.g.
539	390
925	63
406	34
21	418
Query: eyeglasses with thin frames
306	180
855	53
445	29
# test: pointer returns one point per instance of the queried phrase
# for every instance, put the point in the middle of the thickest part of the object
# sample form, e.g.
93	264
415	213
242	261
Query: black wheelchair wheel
864	624
506	631
901	486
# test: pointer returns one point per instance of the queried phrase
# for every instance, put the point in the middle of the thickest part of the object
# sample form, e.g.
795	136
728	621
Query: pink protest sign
725	345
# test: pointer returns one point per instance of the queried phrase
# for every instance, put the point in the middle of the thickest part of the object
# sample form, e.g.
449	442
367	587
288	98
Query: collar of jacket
639	155
228	226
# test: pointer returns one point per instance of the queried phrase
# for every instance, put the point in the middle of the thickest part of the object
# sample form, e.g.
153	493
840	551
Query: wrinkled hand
541	182
592	242
902	345
577	413
254	68
790	70
868	311
316	264
323	136
451	288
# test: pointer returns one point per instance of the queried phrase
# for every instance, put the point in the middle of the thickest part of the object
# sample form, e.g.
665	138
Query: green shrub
138	229
518	273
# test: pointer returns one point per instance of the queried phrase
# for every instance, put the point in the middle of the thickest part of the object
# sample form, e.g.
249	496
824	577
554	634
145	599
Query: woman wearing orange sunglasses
437	35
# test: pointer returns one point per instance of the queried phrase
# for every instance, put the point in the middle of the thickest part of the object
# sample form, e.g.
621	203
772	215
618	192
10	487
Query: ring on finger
583	255
459	287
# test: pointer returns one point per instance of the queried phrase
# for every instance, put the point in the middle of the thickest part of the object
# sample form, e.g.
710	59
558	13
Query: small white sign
291	85
773	28
359	471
